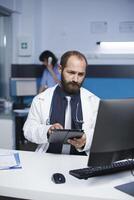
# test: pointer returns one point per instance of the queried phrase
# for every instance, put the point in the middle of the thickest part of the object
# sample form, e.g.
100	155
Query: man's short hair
68	54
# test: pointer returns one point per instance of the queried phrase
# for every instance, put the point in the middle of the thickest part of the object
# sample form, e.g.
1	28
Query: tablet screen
62	135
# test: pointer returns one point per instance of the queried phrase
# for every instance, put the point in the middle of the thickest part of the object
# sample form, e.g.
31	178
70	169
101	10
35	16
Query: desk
20	142
33	181
20	117
7	130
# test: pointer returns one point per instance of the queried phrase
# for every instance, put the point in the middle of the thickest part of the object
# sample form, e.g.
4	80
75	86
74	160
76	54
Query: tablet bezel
62	135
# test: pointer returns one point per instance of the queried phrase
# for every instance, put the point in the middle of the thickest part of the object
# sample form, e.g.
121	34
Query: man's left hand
78	143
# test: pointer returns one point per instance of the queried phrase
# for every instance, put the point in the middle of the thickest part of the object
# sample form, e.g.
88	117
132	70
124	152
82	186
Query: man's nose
75	78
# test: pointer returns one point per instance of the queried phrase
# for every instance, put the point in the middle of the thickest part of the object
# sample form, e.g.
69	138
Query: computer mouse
58	178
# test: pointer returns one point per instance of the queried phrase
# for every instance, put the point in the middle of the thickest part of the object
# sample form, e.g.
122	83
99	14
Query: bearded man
48	109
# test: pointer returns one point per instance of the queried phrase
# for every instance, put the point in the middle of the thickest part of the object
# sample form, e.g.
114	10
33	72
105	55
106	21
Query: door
5	52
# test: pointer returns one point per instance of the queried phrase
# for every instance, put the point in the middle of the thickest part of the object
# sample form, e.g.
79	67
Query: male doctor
47	111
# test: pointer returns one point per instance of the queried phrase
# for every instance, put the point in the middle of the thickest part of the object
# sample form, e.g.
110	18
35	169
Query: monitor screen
23	87
113	138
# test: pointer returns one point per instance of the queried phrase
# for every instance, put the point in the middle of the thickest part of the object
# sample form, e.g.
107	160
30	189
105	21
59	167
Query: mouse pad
127	188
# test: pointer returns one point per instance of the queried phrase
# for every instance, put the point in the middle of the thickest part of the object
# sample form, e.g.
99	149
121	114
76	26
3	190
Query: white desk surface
33	181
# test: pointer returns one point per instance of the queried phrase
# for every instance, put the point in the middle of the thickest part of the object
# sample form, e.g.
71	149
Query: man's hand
55	126
78	143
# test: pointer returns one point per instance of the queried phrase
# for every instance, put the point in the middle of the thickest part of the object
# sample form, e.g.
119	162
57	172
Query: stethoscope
48	119
77	121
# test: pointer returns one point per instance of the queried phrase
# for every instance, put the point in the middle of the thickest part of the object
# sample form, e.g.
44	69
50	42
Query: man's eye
71	72
81	74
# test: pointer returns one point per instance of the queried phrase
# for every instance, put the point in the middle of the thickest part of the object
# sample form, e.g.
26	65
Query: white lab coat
36	125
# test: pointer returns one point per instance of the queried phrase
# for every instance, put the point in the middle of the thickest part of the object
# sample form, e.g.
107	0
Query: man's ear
60	69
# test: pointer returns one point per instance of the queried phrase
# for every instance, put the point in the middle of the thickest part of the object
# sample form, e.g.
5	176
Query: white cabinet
7	132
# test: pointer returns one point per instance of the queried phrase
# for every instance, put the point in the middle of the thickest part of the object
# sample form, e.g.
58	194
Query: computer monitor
113	138
22	87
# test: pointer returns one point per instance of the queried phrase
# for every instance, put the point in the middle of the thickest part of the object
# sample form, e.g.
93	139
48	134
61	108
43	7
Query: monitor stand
127	188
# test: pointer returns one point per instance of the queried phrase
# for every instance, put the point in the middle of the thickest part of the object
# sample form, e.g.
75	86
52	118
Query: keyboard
86	173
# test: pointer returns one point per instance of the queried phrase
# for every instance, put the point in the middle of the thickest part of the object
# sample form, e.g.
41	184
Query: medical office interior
28	27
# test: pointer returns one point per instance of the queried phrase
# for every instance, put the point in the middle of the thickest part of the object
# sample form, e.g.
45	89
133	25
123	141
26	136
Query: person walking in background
51	75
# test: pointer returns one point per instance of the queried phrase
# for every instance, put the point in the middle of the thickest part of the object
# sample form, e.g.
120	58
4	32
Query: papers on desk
9	161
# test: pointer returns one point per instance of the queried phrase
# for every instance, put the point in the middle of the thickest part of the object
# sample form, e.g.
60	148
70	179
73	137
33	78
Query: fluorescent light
5	41
118	45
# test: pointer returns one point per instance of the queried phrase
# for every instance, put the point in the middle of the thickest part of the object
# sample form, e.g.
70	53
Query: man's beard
70	87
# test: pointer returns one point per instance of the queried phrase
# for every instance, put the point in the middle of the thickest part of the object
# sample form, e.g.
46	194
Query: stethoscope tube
76	116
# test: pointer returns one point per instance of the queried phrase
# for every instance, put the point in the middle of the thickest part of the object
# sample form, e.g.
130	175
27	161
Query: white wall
61	25
68	24
24	26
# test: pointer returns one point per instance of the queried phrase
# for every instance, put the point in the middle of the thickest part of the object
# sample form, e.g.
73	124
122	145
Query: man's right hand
54	126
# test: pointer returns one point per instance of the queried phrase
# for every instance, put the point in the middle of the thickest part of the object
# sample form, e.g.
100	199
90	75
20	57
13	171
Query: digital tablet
62	135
